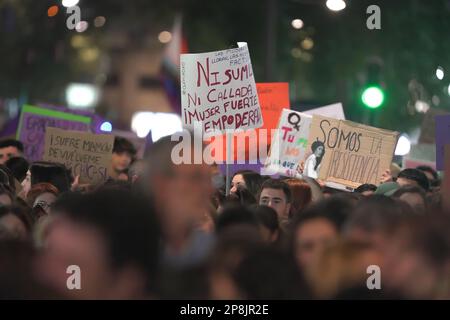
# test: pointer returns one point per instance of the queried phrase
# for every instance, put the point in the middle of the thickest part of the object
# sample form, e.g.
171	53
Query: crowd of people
156	230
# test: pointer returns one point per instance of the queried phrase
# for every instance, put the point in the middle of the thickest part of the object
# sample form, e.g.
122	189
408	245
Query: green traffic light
373	97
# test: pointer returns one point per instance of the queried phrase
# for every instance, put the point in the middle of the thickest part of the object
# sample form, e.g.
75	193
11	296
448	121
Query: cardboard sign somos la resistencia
354	154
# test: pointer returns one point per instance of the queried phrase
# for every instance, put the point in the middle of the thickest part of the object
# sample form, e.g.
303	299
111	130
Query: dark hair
252	180
429	170
279	185
128	224
410	189
68	201
415	175
122	145
19	167
267	217
7	178
314	147
11	143
233	215
4	189
268	273
335	209
379	213
366	187
413	189
39	189
301	195
20	213
245	197
53	173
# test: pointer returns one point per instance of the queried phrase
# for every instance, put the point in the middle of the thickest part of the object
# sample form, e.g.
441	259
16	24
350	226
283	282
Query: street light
336	5
70	3
297	23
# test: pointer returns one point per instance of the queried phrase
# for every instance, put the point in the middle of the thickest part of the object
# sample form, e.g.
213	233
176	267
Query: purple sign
34	121
442	138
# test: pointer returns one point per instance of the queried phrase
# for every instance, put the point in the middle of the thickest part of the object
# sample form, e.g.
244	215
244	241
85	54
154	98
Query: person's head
10	148
19	167
123	154
42	195
269	225
413	177
268	273
181	191
318	226
235	215
276	194
414	196
16	221
375	217
6	196
246	179
301	195
417	258
113	237
340	266
53	173
431	174
366	189
318	148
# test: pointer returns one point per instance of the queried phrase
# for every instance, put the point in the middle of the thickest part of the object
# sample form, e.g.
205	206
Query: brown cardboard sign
87	155
348	153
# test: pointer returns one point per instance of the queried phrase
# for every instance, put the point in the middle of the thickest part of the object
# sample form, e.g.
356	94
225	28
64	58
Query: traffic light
372	97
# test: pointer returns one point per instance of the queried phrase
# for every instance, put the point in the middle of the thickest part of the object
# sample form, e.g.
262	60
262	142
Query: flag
170	67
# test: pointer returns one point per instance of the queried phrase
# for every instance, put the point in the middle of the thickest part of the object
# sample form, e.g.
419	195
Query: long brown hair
301	195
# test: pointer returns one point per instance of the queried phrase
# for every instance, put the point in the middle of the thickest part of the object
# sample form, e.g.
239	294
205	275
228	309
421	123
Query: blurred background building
121	58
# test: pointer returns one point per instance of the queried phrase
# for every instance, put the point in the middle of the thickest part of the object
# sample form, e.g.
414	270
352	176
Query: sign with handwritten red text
289	144
218	90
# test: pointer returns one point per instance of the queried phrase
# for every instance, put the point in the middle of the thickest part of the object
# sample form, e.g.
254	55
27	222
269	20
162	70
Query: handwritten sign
348	153
34	121
218	90
87	155
335	111
273	97
289	144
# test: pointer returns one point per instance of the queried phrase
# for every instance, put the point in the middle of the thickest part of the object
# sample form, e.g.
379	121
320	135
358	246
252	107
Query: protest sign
428	128
87	155
446	181
34	121
332	111
218	90
442	138
289	144
348	153
273	97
